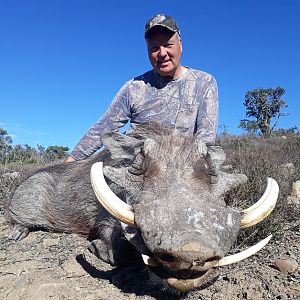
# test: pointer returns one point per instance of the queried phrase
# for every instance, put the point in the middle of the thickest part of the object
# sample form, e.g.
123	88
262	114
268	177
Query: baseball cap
162	21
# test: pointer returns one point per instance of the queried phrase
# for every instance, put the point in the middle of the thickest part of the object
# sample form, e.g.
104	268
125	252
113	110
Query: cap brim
156	27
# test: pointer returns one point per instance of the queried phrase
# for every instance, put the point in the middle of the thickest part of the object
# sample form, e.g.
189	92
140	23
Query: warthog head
175	213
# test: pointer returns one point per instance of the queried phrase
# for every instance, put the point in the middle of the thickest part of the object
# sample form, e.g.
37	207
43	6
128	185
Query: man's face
164	51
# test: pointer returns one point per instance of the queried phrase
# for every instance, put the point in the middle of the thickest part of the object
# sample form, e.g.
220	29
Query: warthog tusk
112	203
262	208
149	261
228	260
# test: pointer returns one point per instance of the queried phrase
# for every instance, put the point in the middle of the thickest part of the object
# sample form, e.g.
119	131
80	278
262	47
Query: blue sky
62	61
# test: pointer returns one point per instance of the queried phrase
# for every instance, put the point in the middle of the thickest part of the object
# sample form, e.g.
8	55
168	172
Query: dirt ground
58	266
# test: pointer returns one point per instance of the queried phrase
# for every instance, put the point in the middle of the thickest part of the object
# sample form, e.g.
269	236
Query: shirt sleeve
207	118
113	119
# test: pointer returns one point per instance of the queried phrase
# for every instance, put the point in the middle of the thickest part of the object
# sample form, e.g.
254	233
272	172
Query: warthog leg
18	232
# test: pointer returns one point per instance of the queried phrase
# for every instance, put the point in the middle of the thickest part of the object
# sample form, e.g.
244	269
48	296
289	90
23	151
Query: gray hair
178	36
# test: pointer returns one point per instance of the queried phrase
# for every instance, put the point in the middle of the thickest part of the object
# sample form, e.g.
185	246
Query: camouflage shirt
188	103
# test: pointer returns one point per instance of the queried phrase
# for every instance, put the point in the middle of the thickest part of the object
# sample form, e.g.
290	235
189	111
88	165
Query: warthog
163	203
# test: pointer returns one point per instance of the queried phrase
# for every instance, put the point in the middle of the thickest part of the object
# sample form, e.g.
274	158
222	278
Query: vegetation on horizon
263	106
25	154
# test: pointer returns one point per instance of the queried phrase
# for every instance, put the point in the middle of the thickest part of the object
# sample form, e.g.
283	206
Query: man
171	94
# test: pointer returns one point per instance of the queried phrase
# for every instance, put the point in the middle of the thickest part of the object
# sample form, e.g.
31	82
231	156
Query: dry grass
259	158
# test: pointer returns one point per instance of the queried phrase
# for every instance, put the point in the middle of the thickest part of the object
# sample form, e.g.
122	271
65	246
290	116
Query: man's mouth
163	63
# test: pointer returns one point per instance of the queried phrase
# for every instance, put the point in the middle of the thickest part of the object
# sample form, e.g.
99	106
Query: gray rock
296	189
286	266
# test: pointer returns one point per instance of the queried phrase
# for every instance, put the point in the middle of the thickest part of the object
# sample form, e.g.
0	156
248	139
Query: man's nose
162	51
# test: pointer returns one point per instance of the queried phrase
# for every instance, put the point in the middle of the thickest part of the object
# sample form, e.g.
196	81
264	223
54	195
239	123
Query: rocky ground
58	266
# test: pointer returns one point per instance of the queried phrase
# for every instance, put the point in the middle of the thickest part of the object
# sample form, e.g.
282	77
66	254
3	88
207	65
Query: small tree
23	154
56	152
5	145
263	105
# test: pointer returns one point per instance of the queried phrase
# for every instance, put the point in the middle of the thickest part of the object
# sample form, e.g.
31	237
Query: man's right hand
69	159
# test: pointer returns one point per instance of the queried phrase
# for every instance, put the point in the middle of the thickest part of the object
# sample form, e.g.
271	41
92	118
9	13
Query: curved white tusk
262	208
228	260
149	261
113	204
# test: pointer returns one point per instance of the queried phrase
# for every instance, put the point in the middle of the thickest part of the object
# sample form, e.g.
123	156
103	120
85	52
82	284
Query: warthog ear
213	154
121	146
139	165
227	181
209	159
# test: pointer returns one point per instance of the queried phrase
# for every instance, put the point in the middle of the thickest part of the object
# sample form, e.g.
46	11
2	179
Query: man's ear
121	146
